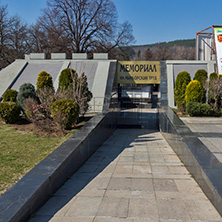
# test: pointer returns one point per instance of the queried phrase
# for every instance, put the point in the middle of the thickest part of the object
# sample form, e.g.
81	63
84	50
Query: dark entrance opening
138	95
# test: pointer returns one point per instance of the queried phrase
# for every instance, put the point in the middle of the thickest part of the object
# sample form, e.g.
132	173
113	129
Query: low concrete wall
200	162
35	188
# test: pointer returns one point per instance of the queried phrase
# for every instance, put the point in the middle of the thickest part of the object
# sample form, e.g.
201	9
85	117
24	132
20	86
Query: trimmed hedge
193	92
9	112
10	95
182	80
199	109
65	112
44	80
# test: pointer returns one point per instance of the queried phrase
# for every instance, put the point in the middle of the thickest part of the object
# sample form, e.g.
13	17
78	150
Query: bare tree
183	53
4	35
148	54
13	37
18	37
84	25
161	52
216	90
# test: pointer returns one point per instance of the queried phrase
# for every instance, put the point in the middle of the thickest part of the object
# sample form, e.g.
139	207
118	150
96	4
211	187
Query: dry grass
21	148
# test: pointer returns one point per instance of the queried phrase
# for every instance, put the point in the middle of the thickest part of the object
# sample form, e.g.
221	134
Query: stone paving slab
209	132
134	176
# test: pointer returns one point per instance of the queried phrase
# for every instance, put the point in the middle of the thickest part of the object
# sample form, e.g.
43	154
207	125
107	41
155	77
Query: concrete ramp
10	74
33	68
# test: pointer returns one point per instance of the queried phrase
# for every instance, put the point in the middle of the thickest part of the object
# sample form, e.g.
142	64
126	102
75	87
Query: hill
181	42
174	50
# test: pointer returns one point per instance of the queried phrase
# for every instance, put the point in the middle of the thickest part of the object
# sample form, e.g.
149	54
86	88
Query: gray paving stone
163	184
133	177
172	209
142	184
119	183
123	168
114	207
84	206
72	219
143	208
142	169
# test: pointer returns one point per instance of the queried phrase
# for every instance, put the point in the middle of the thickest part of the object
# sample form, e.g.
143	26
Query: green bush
10	95
217	112
26	90
213	75
9	112
206	110
193	108
199	109
183	78
66	78
193	92
201	76
65	112
44	80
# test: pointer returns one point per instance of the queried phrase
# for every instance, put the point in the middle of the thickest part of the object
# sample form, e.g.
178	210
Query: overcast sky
153	21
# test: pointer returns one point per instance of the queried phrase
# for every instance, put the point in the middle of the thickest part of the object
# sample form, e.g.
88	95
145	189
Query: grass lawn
20	151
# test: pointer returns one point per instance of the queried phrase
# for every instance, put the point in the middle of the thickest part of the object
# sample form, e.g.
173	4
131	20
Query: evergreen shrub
213	76
65	112
66	78
26	90
206	109
193	92
10	95
9	112
199	109
201	76
183	78
193	108
44	80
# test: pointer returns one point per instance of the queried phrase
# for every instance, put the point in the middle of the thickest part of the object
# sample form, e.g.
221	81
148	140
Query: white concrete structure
100	75
100	56
37	56
79	56
204	47
58	55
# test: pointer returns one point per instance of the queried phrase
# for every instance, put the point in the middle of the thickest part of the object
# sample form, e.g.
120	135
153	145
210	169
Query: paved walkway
134	177
209	131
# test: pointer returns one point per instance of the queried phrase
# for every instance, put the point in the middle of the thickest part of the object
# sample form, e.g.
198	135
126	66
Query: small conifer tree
183	78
